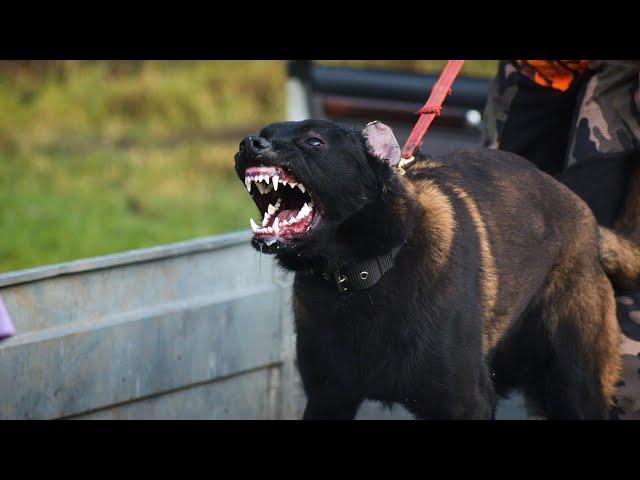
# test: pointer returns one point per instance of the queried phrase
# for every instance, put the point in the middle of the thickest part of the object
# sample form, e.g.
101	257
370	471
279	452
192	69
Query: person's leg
607	136
528	119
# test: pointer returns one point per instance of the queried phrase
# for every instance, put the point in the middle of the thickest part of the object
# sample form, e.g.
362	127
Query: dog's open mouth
288	209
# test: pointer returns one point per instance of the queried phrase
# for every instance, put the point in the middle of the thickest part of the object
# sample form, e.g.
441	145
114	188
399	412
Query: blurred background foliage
102	156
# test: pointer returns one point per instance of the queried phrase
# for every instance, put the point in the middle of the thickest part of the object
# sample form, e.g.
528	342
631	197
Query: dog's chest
365	339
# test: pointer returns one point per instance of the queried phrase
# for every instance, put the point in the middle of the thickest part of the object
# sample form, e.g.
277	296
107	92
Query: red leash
431	109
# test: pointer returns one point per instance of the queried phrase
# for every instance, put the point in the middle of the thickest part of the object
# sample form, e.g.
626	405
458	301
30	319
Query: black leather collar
356	276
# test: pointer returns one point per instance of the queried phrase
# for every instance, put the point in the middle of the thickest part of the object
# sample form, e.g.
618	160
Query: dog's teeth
247	182
276	226
271	209
254	226
301	187
265	220
284	182
278	203
292	184
275	182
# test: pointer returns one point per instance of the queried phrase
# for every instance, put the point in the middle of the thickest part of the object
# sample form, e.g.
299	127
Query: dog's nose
254	144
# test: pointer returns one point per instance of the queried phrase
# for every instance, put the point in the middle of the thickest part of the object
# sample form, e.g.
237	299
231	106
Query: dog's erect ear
382	143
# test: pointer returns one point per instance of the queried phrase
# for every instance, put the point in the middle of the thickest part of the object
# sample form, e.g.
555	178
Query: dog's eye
314	142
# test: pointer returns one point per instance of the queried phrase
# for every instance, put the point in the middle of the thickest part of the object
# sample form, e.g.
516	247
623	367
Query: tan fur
428	163
620	257
440	218
620	247
608	344
489	276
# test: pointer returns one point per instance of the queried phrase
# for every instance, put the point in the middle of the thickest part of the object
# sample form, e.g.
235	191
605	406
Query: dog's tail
620	257
620	247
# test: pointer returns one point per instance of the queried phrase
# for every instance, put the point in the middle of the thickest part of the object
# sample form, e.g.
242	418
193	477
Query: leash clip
403	163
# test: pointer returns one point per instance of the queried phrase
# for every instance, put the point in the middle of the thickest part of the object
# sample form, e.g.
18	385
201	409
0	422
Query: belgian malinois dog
440	285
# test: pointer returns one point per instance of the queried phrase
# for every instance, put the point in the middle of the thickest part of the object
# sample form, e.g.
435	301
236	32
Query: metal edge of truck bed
123	258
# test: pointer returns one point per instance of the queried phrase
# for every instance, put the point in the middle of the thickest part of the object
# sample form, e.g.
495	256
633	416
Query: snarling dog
439	288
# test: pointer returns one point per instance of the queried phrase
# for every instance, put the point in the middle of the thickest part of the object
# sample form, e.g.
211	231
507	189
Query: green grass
71	206
99	157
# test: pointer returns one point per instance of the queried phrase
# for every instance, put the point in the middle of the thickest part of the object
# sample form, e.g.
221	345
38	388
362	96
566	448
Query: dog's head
313	181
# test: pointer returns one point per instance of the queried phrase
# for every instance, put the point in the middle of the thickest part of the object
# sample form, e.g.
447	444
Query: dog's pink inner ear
382	143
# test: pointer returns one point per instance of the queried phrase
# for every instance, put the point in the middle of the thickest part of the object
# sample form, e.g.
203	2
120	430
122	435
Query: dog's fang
254	226
247	182
304	211
271	209
301	187
275	182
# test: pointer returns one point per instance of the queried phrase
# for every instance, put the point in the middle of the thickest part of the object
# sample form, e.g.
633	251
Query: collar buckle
341	281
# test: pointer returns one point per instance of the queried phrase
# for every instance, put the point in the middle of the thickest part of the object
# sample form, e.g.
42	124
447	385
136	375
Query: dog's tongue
284	215
293	225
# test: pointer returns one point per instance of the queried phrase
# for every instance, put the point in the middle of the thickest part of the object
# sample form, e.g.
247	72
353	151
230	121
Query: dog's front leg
323	407
331	394
327	399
